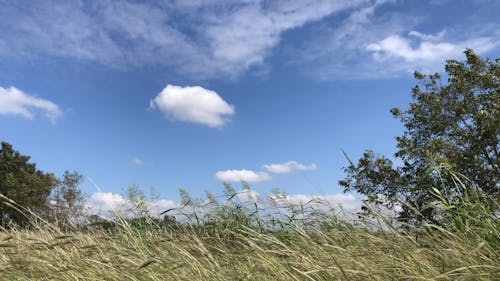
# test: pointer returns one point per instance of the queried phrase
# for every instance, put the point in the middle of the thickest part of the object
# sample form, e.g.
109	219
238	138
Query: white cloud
288	167
253	176
347	202
245	36
247	195
427	37
105	202
193	104
213	39
429	49
15	102
137	161
381	40
156	207
242	175
222	38
341	53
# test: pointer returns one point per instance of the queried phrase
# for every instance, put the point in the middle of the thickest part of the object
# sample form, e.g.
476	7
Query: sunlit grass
231	242
243	253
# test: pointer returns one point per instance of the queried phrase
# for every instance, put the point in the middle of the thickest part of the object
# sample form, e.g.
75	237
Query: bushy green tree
22	182
455	125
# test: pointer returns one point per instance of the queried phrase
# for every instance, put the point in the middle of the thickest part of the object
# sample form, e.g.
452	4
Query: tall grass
236	239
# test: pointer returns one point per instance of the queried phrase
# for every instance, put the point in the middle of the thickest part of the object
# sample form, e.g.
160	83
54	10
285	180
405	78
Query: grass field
234	244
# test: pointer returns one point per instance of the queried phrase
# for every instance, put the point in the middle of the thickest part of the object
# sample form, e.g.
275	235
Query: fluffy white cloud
15	102
242	175
156	207
288	167
193	104
105	202
253	176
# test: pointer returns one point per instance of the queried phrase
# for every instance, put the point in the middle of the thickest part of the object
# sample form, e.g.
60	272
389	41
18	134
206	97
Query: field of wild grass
240	240
244	254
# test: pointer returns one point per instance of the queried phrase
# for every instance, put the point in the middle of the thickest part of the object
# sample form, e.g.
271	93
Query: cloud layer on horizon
107	204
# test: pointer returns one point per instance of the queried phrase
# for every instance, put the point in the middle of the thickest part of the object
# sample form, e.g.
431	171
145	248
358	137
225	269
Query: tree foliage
454	125
67	200
22	182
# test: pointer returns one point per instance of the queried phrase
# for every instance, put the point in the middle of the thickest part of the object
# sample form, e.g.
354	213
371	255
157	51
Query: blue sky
171	94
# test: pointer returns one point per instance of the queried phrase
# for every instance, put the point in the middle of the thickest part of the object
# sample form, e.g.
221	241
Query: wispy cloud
139	162
193	104
216	38
288	167
136	161
381	40
424	51
15	102
242	175
246	35
225	39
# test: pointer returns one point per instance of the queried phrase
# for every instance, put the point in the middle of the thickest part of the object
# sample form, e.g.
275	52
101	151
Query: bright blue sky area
290	81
